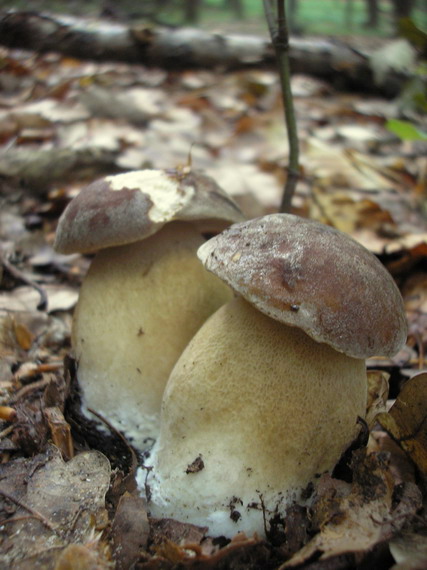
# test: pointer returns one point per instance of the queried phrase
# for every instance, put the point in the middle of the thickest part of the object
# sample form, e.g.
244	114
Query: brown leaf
8	341
60	431
401	466
82	557
406	421
57	503
23	336
409	551
174	531
360	519
130	530
377	395
348	215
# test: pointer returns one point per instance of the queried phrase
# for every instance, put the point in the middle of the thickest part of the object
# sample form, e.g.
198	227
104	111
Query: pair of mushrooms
267	394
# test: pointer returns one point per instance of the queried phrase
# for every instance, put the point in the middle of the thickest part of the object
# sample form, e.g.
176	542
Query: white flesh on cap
139	306
264	407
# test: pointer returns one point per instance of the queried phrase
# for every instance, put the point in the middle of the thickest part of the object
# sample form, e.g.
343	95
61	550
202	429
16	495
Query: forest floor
66	496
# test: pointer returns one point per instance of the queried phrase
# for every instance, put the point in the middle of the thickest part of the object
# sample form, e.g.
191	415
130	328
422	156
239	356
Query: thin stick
120	436
33	512
30	388
278	28
19	275
6	432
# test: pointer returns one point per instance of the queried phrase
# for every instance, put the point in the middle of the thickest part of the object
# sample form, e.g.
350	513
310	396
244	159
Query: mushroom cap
124	208
309	275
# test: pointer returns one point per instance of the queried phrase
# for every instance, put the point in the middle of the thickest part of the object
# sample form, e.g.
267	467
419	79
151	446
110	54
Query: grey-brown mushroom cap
124	208
308	275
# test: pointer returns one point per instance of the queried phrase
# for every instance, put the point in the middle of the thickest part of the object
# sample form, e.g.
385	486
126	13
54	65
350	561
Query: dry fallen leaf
409	551
347	214
55	504
378	385
406	421
353	520
94	556
130	530
25	298
414	294
23	336
60	431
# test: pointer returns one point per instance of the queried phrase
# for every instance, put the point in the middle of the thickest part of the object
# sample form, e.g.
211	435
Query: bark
373	13
192	10
292	15
38	168
403	8
182	48
236	6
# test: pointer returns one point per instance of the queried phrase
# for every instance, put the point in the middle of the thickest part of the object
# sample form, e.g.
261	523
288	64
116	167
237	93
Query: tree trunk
192	11
372	6
292	15
403	8
349	13
236	6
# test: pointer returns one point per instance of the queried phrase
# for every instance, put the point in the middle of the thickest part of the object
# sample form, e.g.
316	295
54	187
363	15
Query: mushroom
267	395
146	292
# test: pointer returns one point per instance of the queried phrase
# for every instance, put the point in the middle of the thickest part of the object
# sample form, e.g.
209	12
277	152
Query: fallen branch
179	48
19	275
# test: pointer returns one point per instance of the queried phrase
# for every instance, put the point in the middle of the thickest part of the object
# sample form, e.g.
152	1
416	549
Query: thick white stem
139	306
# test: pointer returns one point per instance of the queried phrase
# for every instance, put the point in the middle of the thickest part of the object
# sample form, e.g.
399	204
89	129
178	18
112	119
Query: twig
264	515
33	512
17	519
278	27
120	436
17	274
82	509
30	388
4	433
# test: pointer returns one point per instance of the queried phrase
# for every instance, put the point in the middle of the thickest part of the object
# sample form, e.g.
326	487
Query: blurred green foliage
406	130
414	93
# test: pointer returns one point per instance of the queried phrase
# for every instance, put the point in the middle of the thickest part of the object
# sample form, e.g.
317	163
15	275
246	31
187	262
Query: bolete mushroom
146	292
266	396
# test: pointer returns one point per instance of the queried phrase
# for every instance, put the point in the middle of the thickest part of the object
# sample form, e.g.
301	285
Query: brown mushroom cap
308	275
124	208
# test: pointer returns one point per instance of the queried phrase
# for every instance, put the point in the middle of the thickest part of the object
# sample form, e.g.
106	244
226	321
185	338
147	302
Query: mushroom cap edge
308	275
123	208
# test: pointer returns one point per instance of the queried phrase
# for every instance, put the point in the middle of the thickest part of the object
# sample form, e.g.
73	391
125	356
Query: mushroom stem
139	306
263	408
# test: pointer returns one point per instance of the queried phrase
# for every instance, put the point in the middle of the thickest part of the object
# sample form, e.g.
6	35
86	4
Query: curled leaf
378	385
406	421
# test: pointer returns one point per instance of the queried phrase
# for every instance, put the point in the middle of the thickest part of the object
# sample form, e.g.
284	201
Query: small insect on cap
124	208
311	276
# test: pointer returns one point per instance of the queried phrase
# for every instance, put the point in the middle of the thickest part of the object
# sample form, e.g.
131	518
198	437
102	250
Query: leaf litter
67	491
